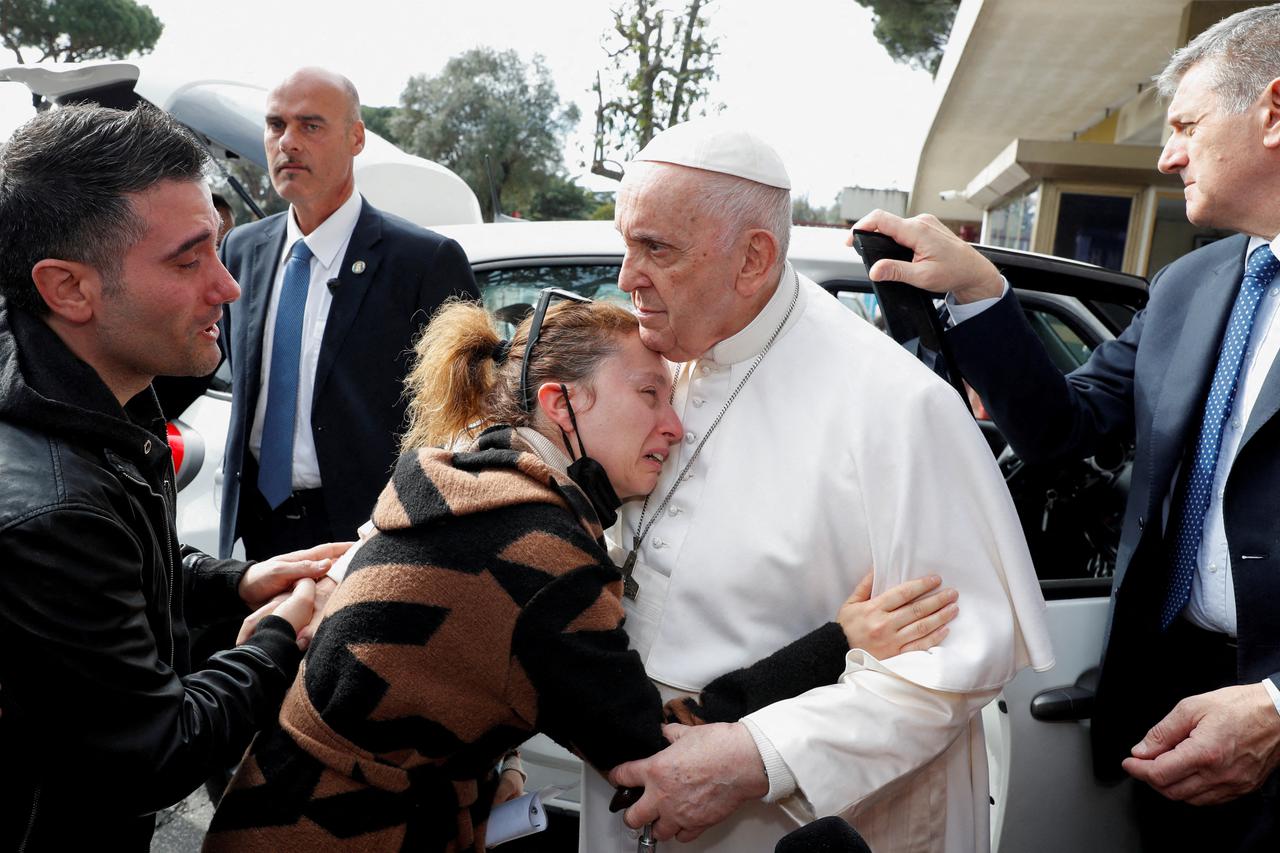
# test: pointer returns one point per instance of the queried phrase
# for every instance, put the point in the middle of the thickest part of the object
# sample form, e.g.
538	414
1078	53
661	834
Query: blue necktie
275	458
1198	485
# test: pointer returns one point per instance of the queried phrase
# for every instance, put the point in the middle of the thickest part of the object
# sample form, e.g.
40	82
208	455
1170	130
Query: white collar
329	236
1255	242
545	449
748	342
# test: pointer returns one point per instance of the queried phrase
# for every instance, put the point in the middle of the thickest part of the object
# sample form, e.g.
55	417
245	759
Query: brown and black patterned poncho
484	609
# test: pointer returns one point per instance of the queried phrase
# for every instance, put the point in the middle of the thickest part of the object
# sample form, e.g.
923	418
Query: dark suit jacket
357	411
1147	386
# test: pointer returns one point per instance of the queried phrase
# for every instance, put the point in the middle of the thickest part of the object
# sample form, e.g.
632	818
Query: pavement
180	829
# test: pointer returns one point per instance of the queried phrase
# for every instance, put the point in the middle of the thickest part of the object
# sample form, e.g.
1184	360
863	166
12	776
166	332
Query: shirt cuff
959	313
338	571
782	783
1273	692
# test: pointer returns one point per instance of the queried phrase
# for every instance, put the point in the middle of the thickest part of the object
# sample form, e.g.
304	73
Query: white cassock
841	454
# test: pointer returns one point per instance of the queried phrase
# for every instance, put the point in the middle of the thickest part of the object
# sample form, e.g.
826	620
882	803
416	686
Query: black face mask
590	475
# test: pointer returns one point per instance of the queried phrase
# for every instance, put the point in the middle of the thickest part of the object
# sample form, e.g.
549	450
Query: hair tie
501	350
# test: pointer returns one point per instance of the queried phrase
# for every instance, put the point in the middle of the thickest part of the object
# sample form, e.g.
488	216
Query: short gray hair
1242	53
738	205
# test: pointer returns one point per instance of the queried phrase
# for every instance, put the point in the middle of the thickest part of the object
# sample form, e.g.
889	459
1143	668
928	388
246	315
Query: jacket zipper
31	821
170	575
168	558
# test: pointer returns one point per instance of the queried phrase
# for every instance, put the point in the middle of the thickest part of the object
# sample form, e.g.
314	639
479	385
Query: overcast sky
807	74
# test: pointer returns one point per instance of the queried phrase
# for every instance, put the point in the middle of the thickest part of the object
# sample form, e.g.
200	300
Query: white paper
520	817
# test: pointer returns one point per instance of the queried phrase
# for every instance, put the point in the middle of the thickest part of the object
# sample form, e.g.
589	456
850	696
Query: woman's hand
295	607
909	617
511	784
510	779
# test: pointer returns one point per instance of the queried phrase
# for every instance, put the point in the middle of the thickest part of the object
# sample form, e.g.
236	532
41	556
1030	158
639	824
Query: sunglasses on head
535	331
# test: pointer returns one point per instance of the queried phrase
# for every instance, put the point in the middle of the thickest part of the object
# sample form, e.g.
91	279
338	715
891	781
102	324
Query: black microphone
332	284
828	835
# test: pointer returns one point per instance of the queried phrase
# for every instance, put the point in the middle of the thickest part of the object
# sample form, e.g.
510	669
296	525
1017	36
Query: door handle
1068	703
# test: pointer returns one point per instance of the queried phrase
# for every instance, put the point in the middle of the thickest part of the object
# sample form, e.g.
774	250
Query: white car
1042	787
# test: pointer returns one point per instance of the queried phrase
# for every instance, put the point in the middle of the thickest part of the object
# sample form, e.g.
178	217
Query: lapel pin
358	267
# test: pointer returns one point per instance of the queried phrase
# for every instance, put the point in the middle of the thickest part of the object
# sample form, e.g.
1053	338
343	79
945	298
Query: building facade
1047	127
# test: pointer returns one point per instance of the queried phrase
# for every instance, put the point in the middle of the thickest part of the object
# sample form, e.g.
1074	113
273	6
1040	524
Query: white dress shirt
328	245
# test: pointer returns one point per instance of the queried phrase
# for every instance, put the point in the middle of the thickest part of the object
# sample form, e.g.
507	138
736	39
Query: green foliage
488	104
378	119
660	67
913	31
802	212
603	211
560	198
76	30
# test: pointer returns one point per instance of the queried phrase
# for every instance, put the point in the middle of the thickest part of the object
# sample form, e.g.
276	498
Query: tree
378	119
804	213
660	65
561	198
488	112
914	32
76	30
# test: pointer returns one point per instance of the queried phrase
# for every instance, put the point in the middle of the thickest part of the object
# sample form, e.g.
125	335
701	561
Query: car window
1064	345
1115	315
1060	336
862	304
510	292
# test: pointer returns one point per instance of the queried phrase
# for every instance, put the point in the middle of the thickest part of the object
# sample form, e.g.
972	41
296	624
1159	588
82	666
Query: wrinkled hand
295	607
943	262
909	617
324	588
696	782
265	580
1212	747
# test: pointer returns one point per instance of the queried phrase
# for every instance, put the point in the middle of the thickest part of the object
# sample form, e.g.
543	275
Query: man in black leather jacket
108	277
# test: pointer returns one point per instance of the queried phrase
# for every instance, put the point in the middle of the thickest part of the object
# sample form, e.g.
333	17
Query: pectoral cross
630	588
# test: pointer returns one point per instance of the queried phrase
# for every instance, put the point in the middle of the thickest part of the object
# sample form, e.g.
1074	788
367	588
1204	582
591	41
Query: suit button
1141	523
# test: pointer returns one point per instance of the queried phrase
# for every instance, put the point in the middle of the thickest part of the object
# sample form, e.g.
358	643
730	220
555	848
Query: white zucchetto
714	145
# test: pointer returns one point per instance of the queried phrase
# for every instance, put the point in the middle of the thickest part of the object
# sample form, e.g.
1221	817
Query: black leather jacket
102	721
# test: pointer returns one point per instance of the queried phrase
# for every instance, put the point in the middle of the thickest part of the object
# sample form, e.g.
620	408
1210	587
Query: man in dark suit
1187	701
335	292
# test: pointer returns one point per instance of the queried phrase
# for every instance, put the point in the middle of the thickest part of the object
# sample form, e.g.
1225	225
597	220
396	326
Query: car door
1043	790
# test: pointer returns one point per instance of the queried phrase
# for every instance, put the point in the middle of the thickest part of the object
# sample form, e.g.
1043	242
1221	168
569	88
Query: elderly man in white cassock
815	449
